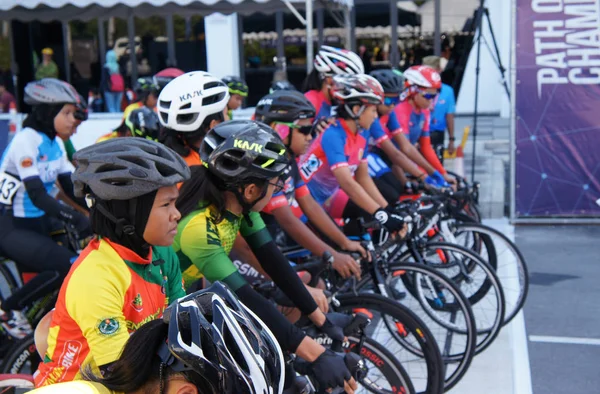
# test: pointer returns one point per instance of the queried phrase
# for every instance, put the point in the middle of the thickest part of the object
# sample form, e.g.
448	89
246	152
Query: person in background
47	68
146	92
163	77
112	83
5	98
238	91
365	56
442	118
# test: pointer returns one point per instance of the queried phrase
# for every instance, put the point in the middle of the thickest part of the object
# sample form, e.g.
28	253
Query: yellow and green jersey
203	244
76	387
109	293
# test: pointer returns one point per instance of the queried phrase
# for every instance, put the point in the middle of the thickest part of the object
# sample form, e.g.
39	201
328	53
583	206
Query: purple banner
557	108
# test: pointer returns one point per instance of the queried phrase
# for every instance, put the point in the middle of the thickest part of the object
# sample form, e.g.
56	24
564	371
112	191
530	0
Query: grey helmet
50	91
126	168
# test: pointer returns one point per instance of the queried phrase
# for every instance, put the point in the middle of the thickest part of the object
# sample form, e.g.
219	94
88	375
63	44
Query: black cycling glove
391	221
330	370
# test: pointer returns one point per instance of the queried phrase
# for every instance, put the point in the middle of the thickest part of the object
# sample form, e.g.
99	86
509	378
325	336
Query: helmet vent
186	118
215	98
109	168
213	84
165	104
186	106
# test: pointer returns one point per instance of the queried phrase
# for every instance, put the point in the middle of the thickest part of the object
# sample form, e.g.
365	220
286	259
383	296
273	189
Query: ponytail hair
204	188
139	364
312	81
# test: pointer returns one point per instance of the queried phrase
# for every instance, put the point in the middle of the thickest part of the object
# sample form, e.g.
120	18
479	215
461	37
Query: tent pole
280	47
353	29
437	36
101	42
321	26
394	55
65	34
172	59
309	35
132	54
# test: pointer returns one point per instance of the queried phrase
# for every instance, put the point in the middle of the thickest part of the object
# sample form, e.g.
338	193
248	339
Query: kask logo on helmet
190	95
245	145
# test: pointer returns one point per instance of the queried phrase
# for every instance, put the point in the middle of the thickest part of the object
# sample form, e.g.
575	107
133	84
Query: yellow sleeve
94	300
75	387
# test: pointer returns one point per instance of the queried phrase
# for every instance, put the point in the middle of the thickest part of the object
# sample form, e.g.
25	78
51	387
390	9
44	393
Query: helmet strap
355	117
123	226
247	206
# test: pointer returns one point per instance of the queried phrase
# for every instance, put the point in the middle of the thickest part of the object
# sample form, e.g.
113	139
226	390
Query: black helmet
126	168
281	85
81	110
50	91
242	150
143	122
391	81
236	85
284	106
144	86
220	344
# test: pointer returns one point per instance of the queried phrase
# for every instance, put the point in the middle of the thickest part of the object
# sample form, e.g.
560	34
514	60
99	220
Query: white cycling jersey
30	154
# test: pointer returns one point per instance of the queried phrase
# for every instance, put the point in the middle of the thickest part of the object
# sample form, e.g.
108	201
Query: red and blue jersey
320	102
294	188
414	123
336	147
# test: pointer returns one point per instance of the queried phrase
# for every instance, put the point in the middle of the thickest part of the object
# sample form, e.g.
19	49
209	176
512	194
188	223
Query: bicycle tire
377	355
430	364
457	363
487	331
503	269
21	355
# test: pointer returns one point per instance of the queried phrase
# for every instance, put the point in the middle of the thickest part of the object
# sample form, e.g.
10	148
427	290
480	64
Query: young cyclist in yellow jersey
127	275
242	163
147	93
189	106
184	353
238	91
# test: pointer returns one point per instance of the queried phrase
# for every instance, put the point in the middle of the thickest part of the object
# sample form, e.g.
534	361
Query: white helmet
188	99
334	61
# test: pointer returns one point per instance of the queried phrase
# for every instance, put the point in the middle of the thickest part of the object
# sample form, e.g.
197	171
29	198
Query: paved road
564	266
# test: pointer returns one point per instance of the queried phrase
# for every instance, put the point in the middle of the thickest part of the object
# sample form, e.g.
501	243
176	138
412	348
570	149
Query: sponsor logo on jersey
138	303
108	326
310	166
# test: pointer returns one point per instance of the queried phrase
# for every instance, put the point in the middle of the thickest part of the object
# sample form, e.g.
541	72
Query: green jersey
203	244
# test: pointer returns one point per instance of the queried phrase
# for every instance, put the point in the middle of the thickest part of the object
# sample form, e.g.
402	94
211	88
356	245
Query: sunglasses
306	130
279	185
391	101
427	96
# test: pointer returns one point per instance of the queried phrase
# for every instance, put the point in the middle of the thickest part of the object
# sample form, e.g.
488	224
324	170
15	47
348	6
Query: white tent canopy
47	10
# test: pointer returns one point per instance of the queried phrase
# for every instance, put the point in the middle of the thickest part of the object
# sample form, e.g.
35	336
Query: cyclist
329	61
291	114
30	166
383	160
189	106
147	94
143	122
421	86
127	275
337	158
243	161
81	115
184	352
162	78
238	91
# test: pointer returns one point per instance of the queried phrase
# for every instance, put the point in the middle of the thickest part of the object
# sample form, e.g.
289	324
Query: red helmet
422	76
361	89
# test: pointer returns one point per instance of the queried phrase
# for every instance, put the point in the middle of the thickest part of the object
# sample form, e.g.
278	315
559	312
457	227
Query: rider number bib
8	188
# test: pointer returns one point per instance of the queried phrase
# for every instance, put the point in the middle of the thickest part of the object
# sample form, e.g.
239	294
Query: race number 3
8	187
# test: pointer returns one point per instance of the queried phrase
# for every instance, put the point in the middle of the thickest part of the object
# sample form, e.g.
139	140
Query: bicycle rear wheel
22	357
426	372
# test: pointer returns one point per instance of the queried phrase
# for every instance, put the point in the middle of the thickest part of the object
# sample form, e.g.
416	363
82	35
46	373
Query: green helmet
143	122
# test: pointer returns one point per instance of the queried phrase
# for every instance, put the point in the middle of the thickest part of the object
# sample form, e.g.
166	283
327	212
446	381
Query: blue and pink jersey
414	123
320	102
336	147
